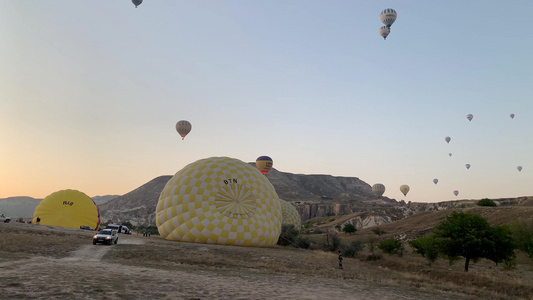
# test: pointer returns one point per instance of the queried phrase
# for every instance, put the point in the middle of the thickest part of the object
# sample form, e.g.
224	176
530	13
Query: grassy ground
146	257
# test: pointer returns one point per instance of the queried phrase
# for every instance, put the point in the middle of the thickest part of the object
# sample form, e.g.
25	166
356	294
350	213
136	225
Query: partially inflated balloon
470	117
448	139
435	181
404	189
183	127
467	166
456	192
519	168
219	200
388	16
384	31
264	164
67	208
136	2
378	189
289	214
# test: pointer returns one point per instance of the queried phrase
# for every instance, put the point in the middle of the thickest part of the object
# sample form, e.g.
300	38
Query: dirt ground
93	272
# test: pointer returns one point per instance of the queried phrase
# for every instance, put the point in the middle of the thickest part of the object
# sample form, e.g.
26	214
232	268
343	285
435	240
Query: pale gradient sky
90	92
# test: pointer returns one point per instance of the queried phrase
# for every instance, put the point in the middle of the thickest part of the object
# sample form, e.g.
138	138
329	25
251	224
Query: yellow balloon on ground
219	200
67	208
289	214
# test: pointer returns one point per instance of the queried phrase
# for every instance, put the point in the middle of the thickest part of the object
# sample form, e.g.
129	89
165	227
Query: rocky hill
313	195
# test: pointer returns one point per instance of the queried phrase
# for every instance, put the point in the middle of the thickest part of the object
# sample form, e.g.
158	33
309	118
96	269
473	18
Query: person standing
340	260
38	220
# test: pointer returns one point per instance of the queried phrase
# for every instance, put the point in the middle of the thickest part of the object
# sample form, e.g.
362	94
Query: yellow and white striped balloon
289	214
220	200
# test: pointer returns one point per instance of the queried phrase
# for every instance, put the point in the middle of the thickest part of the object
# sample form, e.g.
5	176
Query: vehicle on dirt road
85	227
4	218
106	236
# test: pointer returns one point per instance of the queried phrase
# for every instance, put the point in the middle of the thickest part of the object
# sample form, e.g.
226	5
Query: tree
288	235
354	248
378	231
470	236
503	245
349	228
427	246
523	236
486	202
390	246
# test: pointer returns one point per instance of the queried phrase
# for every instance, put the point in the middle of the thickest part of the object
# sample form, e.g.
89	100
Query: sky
90	92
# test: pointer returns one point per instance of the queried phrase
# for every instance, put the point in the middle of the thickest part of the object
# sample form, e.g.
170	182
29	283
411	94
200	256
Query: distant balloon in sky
435	181
388	16
183	127
404	189
512	116
470	117
67	208
378	189
448	139
450	154
519	168
264	164
467	166
384	31
456	192
136	2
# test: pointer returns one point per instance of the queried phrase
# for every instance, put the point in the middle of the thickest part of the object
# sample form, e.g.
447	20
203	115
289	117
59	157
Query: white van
119	228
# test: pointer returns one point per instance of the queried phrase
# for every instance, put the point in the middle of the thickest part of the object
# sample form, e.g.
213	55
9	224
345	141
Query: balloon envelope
136	2
435	181
404	189
456	192
512	116
264	164
378	189
67	208
183	128
470	117
384	31
519	168
449	154
219	200
289	214
448	139
388	16
467	166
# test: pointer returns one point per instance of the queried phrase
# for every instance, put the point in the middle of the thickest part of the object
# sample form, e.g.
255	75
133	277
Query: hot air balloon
404	189
467	166
448	139
219	200
67	208
183	127
450	154
264	164
289	214
378	189
388	16
136	2
384	31
519	168
512	116
456	192
435	181
470	117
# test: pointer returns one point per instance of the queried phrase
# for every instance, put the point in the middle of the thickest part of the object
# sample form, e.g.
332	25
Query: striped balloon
388	16
219	200
378	189
289	214
183	128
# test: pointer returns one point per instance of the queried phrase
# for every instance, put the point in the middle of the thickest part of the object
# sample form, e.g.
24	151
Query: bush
373	257
318	231
354	248
302	242
349	228
334	242
390	246
426	246
288	235
486	202
378	231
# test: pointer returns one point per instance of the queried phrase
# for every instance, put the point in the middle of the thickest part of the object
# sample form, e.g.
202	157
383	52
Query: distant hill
23	207
307	192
